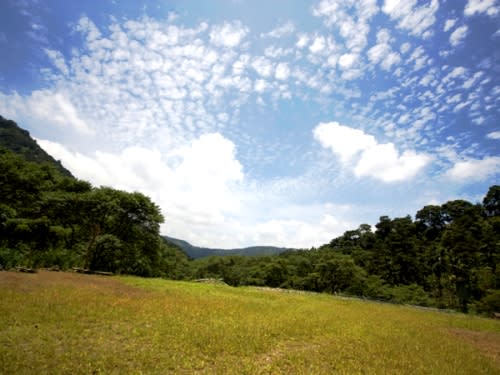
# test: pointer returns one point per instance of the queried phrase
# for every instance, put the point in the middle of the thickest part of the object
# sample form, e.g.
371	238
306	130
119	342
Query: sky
262	122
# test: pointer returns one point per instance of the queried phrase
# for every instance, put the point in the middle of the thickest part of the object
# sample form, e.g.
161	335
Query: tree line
445	257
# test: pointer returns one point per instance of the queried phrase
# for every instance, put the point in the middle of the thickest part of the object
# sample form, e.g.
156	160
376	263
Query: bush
490	303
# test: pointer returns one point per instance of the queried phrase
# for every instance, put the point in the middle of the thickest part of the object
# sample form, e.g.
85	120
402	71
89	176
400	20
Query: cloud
46	106
262	66
282	71
449	24
318	44
415	19
344	141
350	17
57	59
366	156
280	31
228	34
384	162
458	35
472	170
302	40
347	60
490	7
494	135
306	234
381	53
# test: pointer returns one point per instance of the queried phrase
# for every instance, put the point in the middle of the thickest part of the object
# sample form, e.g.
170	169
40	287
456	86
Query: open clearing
67	323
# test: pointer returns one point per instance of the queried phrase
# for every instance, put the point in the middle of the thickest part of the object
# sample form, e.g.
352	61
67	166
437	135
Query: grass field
66	323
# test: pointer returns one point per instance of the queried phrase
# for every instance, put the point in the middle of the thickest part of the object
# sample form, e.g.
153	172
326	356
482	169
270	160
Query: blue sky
262	122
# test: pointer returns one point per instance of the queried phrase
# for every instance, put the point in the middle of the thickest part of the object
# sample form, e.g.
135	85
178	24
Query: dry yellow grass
65	323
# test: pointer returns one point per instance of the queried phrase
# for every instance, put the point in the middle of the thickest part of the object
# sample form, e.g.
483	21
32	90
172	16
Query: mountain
18	140
195	252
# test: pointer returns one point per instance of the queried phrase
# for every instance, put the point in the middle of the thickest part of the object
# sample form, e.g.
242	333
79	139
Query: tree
431	221
491	201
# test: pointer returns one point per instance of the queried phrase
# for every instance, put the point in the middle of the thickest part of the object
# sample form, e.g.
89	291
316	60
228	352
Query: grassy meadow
67	323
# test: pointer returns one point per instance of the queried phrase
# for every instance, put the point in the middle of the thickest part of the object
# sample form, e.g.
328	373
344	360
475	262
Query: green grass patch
65	323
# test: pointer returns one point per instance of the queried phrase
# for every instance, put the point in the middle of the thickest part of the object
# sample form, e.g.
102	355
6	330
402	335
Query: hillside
19	141
196	252
62	322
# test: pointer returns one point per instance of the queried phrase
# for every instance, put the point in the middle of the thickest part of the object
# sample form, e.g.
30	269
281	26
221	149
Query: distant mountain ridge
196	252
19	141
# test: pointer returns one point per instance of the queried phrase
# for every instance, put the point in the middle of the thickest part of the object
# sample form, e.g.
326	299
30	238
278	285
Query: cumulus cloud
472	170
344	141
366	156
384	162
490	7
458	35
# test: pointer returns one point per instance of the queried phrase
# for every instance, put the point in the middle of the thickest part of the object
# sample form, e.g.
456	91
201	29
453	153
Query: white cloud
458	35
302	41
381	53
318	45
347	60
457	72
57	59
449	24
405	47
474	169
351	17
305	234
368	157
280	31
229	34
343	140
260	85
262	66
383	162
494	135
490	7
282	71
416	19
48	107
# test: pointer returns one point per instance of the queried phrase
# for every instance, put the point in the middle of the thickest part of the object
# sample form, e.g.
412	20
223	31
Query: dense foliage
446	257
48	219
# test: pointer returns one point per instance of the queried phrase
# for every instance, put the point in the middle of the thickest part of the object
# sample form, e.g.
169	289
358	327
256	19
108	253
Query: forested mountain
447	256
196	252
18	140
